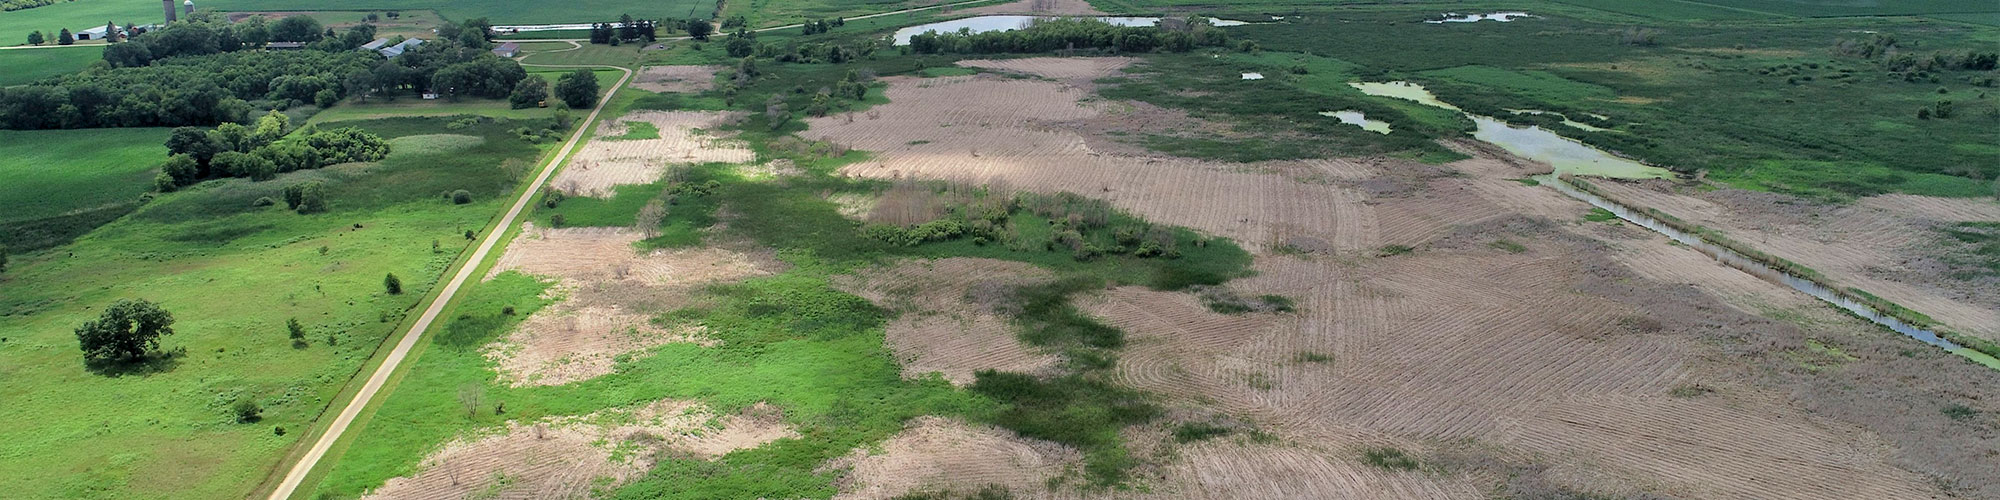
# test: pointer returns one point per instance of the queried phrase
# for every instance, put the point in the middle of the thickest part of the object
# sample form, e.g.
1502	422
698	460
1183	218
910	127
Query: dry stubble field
1579	357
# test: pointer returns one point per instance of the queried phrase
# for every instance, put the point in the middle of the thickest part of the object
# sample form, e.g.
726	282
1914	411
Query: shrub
392	284
1393	250
246	410
461	197
1189	432
1389	458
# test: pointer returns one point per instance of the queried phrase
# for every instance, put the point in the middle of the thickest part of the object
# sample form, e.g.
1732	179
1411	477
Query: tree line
206	71
260	152
1070	34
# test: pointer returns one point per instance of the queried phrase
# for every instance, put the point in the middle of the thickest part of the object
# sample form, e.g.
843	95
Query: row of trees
626	30
1068	34
260	152
817	26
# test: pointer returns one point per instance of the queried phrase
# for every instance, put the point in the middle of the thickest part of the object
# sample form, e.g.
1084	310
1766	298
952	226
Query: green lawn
27	65
232	274
76	16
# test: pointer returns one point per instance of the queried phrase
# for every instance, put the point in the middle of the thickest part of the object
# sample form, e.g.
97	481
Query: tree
529	92
35	38
297	29
182	169
192	141
392	284
128	55
469	396
739	46
246	410
3	259
578	88
699	29
306	197
297	331
129	328
64	38
110	32
626	30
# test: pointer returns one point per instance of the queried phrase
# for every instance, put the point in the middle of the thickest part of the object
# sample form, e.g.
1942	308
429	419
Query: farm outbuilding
396	50
374	45
507	50
97	33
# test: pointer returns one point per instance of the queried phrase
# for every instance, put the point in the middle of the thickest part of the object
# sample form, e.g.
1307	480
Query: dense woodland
206	71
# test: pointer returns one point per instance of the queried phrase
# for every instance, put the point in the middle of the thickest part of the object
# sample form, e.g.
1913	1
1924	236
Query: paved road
361	398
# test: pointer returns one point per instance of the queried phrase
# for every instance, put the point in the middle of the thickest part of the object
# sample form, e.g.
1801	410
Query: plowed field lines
1707	450
1060	68
604	164
1224	470
1936	209
676	78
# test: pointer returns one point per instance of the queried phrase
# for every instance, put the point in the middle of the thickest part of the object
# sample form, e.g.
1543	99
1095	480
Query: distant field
411	23
77	15
1670	9
50	172
27	65
499	11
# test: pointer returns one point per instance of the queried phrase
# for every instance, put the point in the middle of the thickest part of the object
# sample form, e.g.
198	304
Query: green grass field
76	16
28	65
232	274
63	183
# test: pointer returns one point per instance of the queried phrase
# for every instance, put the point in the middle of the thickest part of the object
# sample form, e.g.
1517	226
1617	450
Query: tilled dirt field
609	292
1574	357
604	164
676	78
568	457
1885	245
933	454
940	326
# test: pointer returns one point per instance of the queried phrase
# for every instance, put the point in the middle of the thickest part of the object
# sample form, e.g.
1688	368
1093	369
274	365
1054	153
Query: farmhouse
396	50
507	50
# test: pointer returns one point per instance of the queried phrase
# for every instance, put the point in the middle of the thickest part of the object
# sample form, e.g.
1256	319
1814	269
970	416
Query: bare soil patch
686	137
685	78
1071	69
610	292
941	327
568	457
934	453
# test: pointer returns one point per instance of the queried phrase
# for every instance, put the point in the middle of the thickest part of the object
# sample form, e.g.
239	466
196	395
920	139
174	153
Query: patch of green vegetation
233	275
1389	458
947	71
1844	181
1818	356
1960	412
1393	250
1508	246
500	11
1075	410
1527	181
1685	391
1189	432
1311	357
1600	215
635	130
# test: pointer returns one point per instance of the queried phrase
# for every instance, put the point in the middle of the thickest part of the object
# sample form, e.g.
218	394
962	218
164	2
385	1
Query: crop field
232	274
500	12
62	183
76	16
23	66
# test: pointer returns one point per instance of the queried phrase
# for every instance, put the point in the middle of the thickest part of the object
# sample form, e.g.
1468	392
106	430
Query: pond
1566	121
1535	143
1454	17
1358	119
982	24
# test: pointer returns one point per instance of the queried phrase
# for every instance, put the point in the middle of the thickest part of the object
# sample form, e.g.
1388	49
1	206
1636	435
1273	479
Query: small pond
1454	17
982	24
1358	119
1535	143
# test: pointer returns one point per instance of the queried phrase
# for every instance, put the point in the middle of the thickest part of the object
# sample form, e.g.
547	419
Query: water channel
982	24
1571	157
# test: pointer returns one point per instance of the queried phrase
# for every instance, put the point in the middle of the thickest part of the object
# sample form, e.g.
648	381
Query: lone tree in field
35	38
393	284
578	88
64	38
699	29
128	329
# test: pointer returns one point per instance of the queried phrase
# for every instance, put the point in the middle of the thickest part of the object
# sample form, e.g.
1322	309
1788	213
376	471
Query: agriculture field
23	66
76	16
232	272
1829	8
62	183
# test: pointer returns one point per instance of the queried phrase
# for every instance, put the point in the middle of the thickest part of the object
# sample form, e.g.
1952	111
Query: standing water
1454	17
982	24
1535	143
1358	119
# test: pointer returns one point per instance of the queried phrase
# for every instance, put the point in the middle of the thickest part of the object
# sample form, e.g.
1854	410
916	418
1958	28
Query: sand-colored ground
933	453
675	78
686	137
1573	355
609	294
1070	69
1877	245
940	328
569	457
1039	8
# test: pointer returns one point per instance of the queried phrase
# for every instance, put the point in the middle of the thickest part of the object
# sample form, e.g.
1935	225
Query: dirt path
305	465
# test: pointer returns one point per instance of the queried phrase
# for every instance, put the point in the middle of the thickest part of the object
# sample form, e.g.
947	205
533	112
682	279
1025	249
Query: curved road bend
298	473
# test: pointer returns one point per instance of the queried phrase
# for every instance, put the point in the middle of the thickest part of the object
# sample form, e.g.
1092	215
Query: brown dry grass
676	78
569	457
939	329
609	292
603	164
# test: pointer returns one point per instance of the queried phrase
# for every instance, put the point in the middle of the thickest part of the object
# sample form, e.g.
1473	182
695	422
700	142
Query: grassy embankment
232	273
790	339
